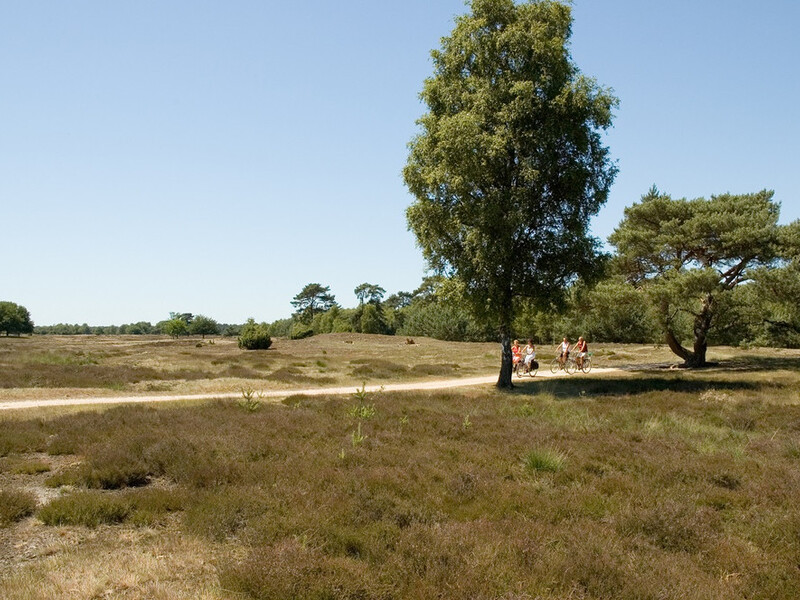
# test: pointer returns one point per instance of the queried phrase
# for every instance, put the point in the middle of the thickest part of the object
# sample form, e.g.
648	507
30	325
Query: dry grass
119	563
650	484
85	366
81	366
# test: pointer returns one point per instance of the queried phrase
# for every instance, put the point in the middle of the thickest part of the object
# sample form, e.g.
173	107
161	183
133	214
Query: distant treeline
177	325
609	310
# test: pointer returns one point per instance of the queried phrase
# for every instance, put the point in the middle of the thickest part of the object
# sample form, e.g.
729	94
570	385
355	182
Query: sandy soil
277	395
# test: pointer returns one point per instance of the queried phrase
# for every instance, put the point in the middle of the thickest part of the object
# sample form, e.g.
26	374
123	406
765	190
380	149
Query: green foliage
443	321
312	299
369	293
609	311
372	319
362	410
174	327
774	303
688	256
301	330
509	164
14	319
334	320
15	505
139	328
203	326
254	336
281	328
250	401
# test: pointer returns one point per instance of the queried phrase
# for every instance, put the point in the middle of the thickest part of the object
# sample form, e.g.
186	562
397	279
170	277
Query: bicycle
586	363
568	364
522	369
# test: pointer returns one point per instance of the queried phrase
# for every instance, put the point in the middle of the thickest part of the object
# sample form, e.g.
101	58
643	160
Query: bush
110	475
86	508
254	336
15	505
300	331
443	322
281	328
372	320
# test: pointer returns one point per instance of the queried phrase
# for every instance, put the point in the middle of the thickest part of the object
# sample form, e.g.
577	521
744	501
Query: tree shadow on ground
739	364
761	363
581	386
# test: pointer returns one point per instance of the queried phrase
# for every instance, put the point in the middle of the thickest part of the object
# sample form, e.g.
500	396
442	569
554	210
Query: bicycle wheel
533	370
587	365
555	366
570	366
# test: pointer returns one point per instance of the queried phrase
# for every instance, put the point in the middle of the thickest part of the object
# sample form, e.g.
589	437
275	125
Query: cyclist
530	356
563	352
581	348
516	354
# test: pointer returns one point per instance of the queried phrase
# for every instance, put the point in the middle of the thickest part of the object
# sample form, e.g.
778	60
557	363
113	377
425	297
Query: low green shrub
31	467
254	336
68	477
15	505
85	508
301	331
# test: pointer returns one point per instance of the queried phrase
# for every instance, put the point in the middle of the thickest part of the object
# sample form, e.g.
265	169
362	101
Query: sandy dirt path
276	395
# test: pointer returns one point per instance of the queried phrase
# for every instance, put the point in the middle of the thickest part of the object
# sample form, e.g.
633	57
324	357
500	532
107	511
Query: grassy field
84	366
646	483
54	366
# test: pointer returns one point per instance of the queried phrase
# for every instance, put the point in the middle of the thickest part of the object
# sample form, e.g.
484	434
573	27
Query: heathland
649	482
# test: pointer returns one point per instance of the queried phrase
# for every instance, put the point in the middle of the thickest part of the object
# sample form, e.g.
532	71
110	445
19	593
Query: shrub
15	505
301	331
115	466
222	514
31	467
85	508
290	570
281	328
149	505
254	336
113	476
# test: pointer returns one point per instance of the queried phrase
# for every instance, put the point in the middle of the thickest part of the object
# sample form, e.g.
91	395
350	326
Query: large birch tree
509	164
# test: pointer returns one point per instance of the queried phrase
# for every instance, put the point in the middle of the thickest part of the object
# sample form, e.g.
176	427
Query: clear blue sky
214	157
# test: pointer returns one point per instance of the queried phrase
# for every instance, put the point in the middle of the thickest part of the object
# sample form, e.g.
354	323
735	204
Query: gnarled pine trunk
702	323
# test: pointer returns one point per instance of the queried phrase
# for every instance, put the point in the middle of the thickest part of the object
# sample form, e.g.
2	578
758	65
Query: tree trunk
676	347
702	323
504	382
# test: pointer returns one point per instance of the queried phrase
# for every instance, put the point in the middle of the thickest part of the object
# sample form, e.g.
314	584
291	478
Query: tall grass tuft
544	460
15	505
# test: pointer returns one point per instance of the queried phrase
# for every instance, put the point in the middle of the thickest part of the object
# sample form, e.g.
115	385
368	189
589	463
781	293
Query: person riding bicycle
516	354
563	351
529	356
581	348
